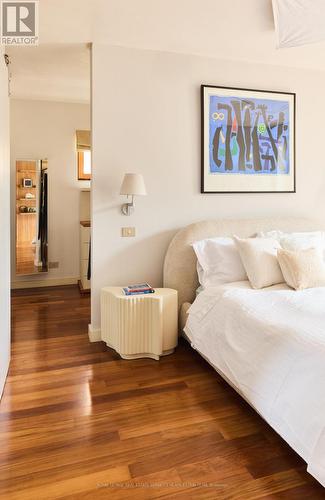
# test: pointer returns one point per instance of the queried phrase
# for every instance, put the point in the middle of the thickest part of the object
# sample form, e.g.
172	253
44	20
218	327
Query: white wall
41	129
4	225
146	118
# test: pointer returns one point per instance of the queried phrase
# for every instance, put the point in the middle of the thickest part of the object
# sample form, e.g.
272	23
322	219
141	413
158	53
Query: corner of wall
94	334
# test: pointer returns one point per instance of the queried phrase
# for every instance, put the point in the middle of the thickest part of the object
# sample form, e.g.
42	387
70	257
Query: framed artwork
27	183
248	141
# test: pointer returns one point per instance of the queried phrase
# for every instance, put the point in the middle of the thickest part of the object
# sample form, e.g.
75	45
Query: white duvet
270	344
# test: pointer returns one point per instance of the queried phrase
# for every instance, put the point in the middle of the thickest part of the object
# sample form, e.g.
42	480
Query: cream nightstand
139	326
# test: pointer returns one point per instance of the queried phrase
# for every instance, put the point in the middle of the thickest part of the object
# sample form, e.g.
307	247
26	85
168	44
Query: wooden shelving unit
25	169
31	241
26	222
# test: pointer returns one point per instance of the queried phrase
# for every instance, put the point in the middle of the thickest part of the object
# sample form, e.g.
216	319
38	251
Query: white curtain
299	22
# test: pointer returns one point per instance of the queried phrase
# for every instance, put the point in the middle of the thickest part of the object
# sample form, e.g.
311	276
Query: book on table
138	289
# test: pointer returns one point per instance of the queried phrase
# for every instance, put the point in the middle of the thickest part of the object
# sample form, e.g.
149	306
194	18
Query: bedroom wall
4	225
44	129
146	119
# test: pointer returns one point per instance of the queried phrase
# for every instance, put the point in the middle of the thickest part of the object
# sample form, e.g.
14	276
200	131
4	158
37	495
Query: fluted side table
139	326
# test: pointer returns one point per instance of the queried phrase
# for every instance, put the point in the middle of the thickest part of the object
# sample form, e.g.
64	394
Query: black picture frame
204	152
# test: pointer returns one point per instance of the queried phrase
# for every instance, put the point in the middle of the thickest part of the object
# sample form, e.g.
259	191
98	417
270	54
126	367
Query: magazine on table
138	289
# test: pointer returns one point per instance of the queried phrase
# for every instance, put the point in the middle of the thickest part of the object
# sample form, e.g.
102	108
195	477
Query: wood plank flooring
77	422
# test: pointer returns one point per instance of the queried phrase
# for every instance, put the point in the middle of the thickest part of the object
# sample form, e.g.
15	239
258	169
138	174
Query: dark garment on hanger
89	262
42	221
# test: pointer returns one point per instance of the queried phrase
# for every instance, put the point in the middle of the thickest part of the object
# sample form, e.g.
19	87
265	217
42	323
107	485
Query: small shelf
25	187
85	223
27	213
26	199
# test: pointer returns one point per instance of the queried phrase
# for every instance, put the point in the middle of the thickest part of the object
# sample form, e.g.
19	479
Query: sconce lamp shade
133	184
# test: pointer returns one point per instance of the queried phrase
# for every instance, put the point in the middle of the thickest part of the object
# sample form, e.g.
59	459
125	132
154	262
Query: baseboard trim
83	291
3	381
94	334
44	283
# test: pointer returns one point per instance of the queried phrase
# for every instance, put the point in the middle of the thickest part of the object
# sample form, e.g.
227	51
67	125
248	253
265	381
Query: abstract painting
248	140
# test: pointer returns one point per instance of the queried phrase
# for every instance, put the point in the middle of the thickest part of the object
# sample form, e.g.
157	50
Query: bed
268	344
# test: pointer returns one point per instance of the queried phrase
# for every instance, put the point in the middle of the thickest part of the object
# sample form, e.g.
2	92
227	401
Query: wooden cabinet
26	185
26	216
31	217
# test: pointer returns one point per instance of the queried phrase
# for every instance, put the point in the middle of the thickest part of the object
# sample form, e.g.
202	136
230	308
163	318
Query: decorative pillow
296	241
259	257
302	269
303	241
218	262
275	234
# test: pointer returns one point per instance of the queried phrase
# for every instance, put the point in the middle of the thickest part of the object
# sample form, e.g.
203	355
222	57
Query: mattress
270	345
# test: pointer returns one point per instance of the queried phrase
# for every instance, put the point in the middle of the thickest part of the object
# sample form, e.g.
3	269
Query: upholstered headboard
180	261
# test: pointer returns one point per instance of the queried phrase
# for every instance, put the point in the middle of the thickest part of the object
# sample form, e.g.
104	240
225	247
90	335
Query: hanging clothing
42	222
89	262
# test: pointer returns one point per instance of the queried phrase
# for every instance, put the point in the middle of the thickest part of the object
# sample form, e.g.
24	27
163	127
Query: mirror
31	217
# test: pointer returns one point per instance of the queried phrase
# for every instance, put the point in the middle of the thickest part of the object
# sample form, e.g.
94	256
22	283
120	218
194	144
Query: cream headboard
180	261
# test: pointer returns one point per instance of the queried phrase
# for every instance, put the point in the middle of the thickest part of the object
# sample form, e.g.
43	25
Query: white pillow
302	241
302	269
218	262
259	257
275	234
297	241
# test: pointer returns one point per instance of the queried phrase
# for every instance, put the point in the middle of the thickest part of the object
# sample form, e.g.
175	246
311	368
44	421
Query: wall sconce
132	185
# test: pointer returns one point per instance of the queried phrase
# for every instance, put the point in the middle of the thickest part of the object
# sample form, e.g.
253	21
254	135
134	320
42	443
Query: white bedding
270	344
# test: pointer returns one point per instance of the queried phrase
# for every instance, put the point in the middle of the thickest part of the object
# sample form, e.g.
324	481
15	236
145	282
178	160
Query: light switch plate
128	232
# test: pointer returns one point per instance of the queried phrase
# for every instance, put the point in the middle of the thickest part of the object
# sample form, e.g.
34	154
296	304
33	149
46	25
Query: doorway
50	165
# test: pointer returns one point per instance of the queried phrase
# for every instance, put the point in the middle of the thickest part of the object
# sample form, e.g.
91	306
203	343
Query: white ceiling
50	72
227	29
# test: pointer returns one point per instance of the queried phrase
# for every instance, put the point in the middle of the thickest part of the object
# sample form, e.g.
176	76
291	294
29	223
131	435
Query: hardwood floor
25	256
77	422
